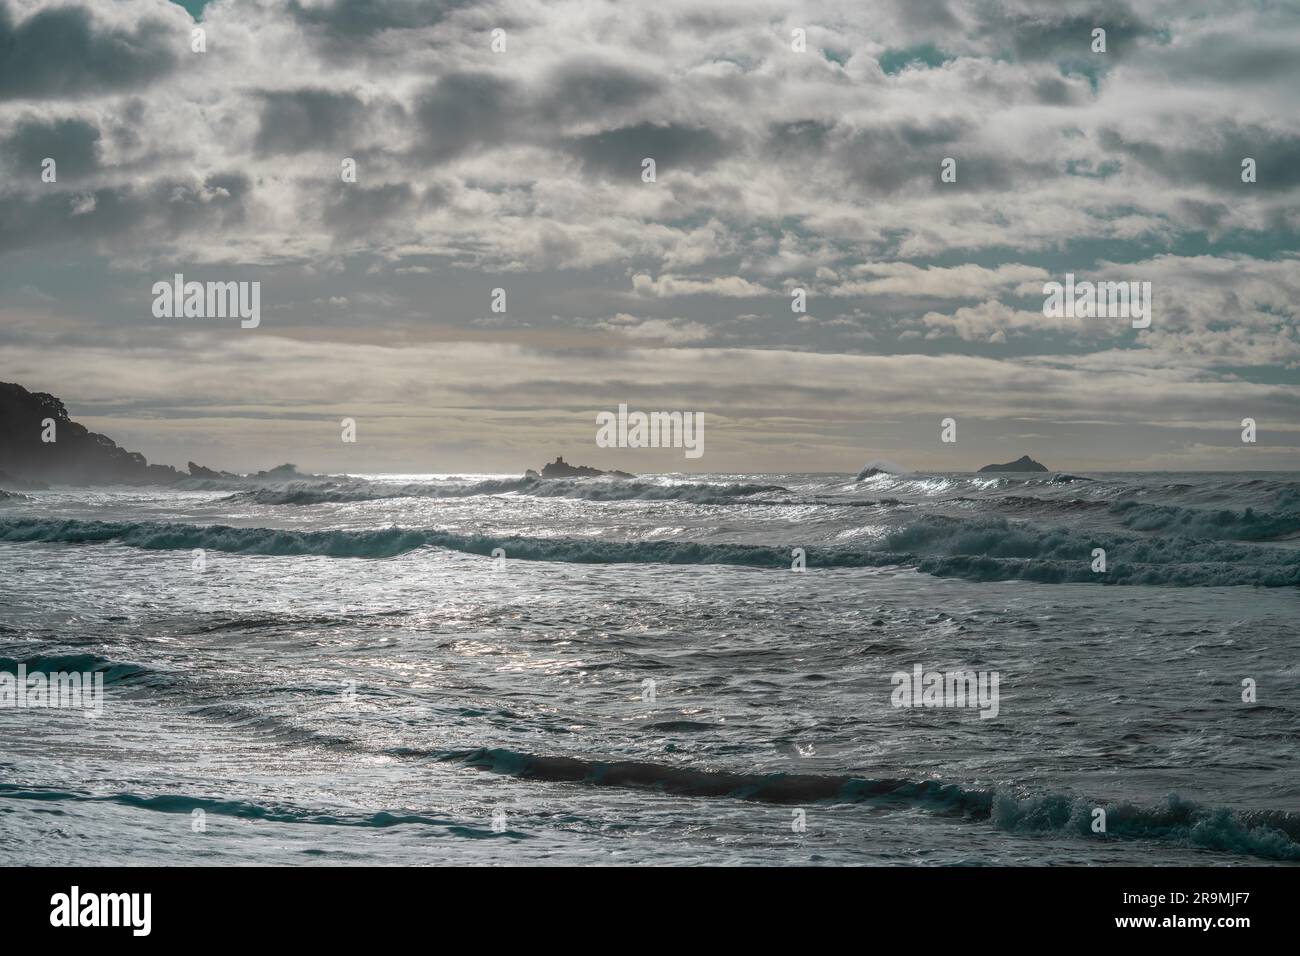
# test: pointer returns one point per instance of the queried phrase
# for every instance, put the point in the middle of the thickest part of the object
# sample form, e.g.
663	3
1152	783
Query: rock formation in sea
562	469
284	472
1023	463
198	471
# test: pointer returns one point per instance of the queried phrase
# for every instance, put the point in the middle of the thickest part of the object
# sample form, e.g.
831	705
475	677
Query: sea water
482	669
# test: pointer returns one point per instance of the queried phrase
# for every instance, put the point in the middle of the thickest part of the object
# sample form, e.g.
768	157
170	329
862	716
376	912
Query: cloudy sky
775	169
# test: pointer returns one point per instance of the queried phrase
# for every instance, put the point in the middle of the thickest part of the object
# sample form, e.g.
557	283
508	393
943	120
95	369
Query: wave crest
1271	834
315	493
982	549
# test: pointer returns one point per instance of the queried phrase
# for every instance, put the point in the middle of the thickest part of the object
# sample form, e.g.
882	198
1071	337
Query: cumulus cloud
668	286
964	281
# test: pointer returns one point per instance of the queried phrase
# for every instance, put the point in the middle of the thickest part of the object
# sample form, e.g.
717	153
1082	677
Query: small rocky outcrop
1023	463
562	469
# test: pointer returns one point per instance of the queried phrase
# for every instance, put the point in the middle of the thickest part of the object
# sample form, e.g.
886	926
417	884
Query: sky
776	169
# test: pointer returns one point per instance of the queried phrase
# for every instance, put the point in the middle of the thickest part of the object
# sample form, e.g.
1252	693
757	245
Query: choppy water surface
353	677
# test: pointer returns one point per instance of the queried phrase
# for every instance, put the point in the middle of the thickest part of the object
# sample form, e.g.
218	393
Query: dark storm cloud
1232	59
889	158
125	128
886	158
1216	160
297	120
60	52
1054	91
928	15
217	202
993	171
353	208
73	144
165	208
1051	33
798	137
587	89
618	153
1203	215
467	111
347	30
364	18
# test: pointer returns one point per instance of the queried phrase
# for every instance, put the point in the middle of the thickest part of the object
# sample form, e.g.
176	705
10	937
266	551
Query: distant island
1023	463
562	469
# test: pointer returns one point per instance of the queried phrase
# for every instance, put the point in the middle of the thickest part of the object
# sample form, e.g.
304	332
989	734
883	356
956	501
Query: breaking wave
113	671
994	549
313	493
1247	525
979	549
1271	834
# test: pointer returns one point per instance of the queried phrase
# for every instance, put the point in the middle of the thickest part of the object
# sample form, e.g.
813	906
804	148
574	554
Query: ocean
675	670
